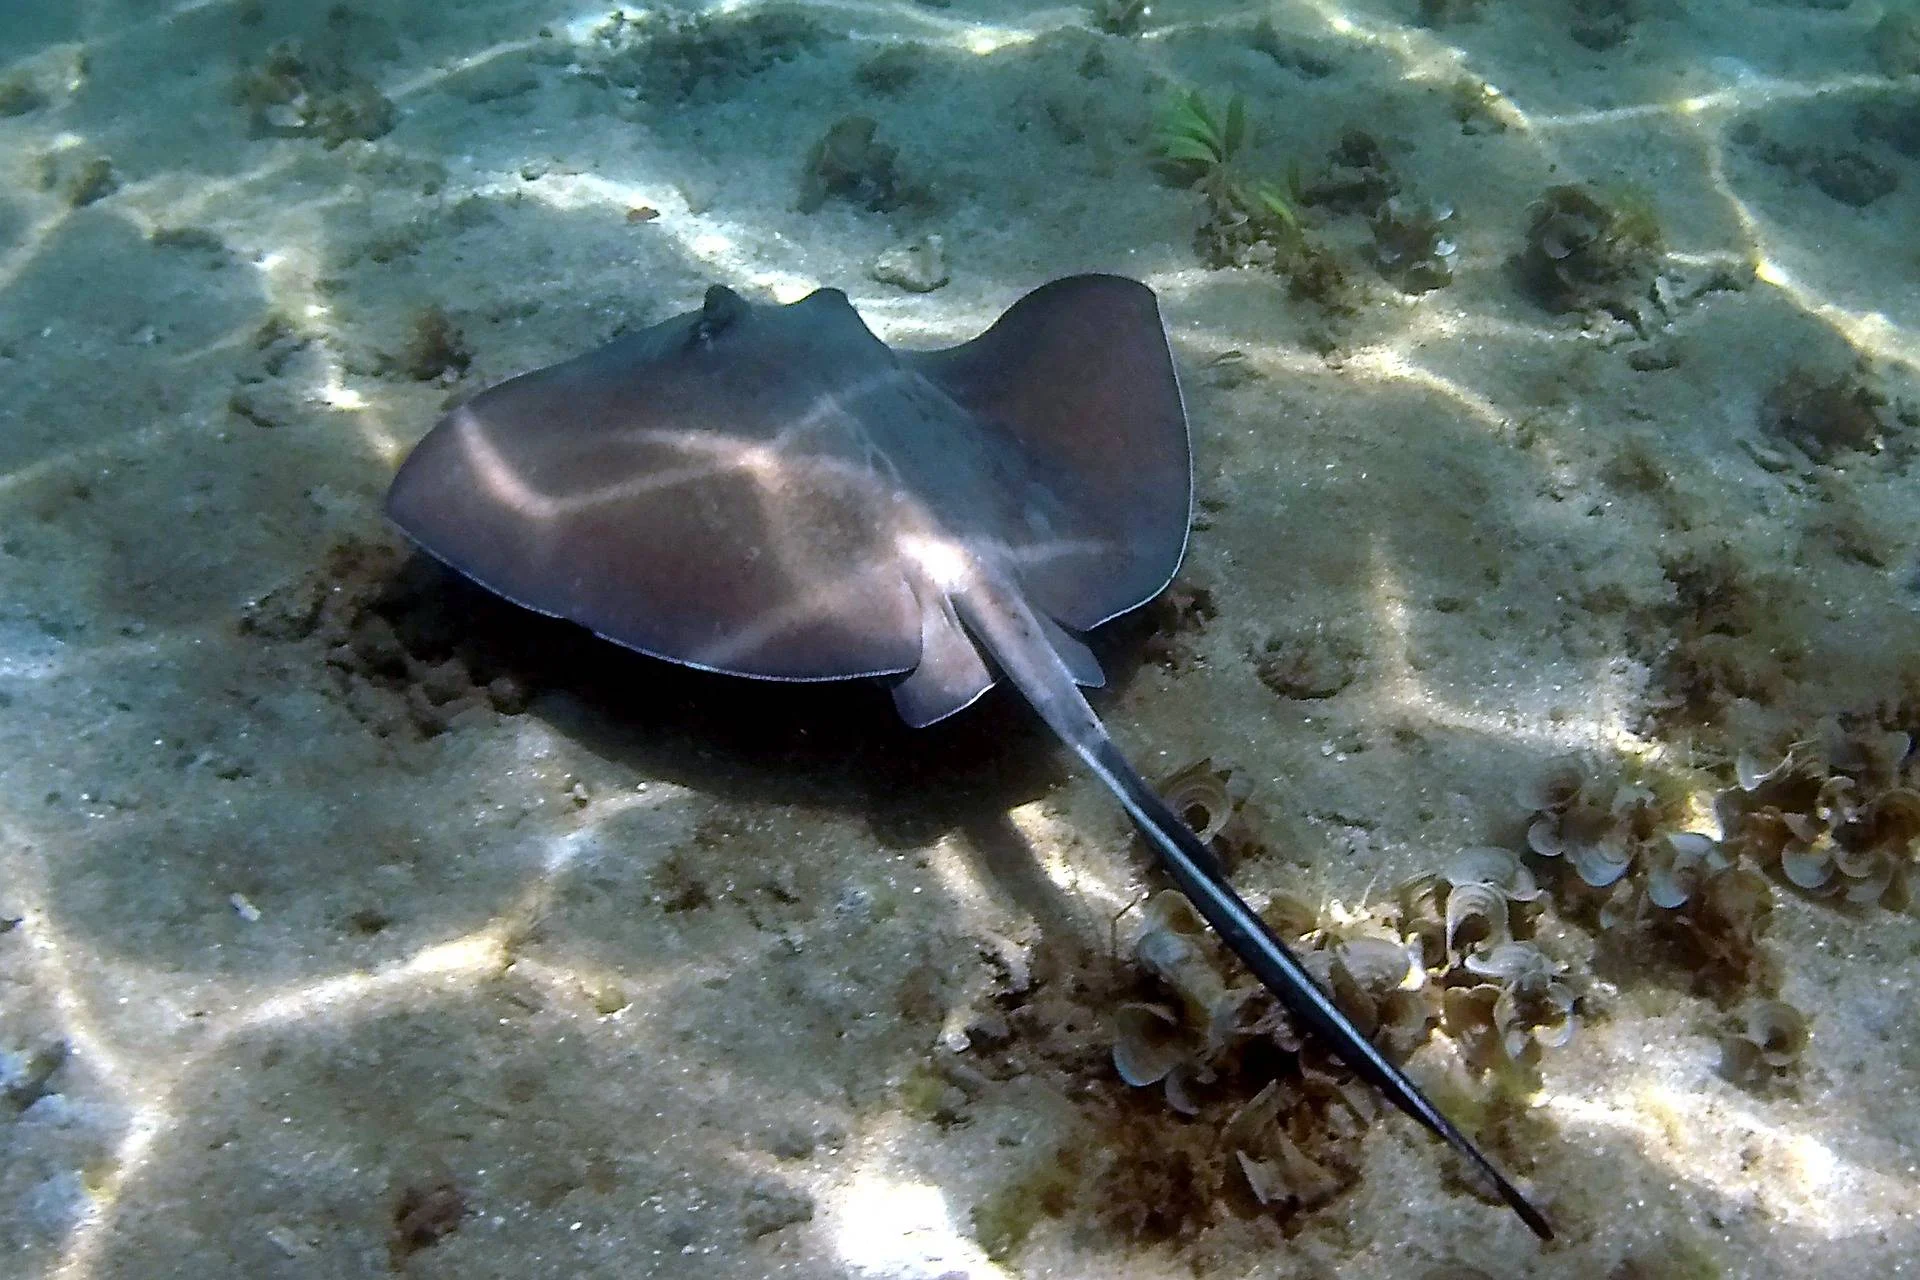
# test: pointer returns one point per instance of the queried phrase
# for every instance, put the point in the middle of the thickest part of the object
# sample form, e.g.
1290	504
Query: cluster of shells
1212	1037
1413	243
1579	248
1606	830
1837	816
1502	998
1447	949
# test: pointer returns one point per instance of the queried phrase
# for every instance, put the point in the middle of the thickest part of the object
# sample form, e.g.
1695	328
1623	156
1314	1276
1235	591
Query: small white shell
1179	962
1806	865
1777	1030
1543	837
1146	1043
1377	964
1556	788
1180	1085
1601	864
1490	864
1513	961
1476	915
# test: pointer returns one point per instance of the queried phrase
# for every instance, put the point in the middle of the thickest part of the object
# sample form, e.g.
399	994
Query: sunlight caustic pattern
288	270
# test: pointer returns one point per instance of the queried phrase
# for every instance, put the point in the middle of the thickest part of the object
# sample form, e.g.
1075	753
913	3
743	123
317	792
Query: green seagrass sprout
1190	139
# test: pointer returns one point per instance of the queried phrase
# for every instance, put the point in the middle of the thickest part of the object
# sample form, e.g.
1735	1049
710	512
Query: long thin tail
1189	862
999	617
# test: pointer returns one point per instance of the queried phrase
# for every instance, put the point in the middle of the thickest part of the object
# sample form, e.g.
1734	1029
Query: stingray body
774	492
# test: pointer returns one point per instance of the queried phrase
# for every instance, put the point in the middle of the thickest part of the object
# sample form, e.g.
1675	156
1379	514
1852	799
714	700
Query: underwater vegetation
1200	148
1248	222
1308	664
1837	816
1357	177
850	163
1625	868
20	93
422	1216
1205	1108
1451	949
1445	13
894	68
672	56
1895	41
1413	243
1585	252
1254	223
1120	17
396	657
289	95
1474	103
79	177
1250	1118
1826	416
1601	25
435	347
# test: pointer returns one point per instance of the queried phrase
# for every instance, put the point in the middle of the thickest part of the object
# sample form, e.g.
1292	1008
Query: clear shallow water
648	969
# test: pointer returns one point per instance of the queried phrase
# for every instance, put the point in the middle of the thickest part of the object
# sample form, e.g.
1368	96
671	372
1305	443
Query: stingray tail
1028	654
1191	865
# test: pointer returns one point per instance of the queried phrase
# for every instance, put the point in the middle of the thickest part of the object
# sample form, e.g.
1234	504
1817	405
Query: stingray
772	491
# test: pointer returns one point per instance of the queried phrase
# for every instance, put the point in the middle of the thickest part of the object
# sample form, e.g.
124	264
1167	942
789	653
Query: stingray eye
722	309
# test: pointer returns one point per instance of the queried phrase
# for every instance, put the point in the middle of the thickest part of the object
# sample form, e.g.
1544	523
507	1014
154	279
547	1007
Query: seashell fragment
1602	863
1808	865
1621	907
1870	884
1767	1043
1476	914
1555	789
1533	1009
1512	962
1674	874
1198	793
1171	947
1489	864
1467	1015
1543	837
1378	965
1263	1177
1181	1084
1778	1030
1752	775
1147	1043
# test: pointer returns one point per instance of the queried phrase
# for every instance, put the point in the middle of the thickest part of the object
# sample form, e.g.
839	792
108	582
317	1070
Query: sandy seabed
352	923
